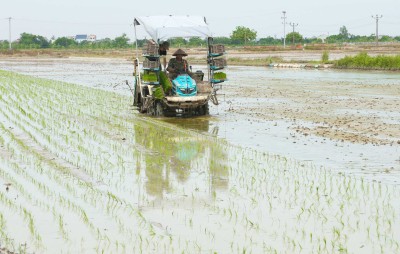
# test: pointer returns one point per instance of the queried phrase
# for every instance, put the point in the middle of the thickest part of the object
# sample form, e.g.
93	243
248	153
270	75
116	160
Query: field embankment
310	55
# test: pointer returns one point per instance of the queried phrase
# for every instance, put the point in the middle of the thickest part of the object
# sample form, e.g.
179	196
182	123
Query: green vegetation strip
364	61
84	172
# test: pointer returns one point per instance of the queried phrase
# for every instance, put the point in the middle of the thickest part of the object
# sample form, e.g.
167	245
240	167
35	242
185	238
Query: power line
377	17
293	25
71	23
360	26
284	28
9	33
391	23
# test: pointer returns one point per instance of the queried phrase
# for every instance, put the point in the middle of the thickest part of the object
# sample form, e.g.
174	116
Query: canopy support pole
134	24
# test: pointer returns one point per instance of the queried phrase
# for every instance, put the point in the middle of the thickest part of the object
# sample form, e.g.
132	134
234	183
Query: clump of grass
364	61
325	57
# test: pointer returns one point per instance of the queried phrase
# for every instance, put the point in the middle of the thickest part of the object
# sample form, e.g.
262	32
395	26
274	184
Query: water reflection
195	123
175	159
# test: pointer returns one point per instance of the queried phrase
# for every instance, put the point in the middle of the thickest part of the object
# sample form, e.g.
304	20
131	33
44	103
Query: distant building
84	37
92	37
81	37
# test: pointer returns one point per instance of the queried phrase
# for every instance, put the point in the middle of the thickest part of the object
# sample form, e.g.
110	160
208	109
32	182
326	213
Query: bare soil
341	112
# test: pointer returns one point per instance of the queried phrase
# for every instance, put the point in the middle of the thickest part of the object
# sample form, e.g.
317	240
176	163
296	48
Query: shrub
364	61
325	57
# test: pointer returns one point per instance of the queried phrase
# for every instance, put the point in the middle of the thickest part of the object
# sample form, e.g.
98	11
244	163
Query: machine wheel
141	108
158	109
203	110
150	111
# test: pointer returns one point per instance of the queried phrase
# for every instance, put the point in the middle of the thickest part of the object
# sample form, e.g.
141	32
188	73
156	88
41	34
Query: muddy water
230	121
95	177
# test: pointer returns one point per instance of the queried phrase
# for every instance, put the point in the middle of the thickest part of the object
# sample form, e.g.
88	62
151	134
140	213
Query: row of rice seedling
85	174
62	174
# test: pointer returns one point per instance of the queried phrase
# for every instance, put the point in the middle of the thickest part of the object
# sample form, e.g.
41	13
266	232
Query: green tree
244	34
64	42
141	42
178	42
196	41
104	43
386	38
269	41
294	37
86	44
343	33
121	41
222	40
33	41
312	40
4	45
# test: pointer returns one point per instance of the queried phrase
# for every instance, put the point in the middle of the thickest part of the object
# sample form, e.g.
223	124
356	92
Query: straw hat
179	52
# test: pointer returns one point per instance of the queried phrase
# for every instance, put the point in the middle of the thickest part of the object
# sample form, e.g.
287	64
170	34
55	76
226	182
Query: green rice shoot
158	92
220	75
150	77
165	82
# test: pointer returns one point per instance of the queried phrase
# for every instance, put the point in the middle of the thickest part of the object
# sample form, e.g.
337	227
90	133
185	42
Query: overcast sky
112	18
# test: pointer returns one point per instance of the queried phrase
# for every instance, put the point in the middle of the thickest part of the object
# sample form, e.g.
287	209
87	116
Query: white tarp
165	27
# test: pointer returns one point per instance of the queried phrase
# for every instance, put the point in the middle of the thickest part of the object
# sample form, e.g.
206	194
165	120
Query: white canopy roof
165	27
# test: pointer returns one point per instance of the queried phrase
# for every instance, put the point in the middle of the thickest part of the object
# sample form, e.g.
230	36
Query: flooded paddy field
347	121
288	162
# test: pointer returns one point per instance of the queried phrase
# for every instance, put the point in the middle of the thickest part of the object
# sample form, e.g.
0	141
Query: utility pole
9	33
377	17
293	25
284	28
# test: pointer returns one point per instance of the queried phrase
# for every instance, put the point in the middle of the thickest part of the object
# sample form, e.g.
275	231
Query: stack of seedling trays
151	64
217	50
150	78
150	50
217	63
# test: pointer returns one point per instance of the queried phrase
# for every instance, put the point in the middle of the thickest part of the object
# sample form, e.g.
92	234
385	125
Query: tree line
31	41
239	37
